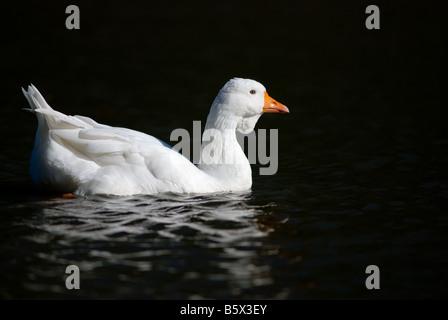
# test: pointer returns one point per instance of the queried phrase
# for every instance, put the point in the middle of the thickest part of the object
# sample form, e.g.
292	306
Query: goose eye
252	91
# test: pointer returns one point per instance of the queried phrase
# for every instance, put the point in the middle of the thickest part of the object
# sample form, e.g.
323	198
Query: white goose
75	154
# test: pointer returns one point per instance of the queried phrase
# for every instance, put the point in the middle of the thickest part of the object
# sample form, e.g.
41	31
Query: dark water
363	157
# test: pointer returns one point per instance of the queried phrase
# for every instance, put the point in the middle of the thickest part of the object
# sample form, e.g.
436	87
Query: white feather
77	154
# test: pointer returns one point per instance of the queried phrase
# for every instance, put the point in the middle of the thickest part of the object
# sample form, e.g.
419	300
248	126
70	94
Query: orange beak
272	106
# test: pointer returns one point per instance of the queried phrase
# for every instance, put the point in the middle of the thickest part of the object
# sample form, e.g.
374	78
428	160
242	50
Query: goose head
243	101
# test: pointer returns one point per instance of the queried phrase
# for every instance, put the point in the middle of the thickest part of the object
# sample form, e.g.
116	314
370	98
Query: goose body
76	154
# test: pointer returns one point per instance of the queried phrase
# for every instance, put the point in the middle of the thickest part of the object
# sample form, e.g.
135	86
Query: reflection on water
363	155
268	243
221	217
150	246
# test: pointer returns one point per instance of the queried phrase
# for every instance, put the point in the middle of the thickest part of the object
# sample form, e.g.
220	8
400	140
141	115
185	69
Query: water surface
363	158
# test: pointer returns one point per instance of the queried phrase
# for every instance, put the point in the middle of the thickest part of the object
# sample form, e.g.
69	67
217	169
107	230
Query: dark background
363	153
302	47
165	61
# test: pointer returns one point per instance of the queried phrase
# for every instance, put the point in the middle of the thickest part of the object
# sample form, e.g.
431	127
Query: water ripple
223	216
